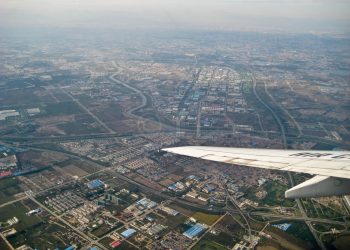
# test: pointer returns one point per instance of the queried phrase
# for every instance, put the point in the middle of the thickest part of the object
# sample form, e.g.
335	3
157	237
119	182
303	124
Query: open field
208	245
42	236
3	245
63	108
207	219
74	170
342	243
9	187
289	239
173	221
275	194
19	210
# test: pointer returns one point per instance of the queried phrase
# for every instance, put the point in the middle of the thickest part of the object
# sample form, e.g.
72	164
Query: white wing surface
327	163
322	163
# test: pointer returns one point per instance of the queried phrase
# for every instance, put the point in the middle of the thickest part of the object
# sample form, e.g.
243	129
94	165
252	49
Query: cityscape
84	118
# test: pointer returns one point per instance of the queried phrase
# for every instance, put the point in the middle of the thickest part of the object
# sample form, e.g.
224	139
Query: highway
280	217
88	111
273	113
143	104
143	97
67	138
159	193
285	111
207	231
198	126
285	146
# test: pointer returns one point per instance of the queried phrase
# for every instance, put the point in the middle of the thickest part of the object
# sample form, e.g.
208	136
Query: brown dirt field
74	170
166	182
145	181
266	248
44	121
51	129
175	177
42	158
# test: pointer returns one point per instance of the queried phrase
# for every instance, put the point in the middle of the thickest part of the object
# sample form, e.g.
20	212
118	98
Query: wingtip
166	149
176	150
170	150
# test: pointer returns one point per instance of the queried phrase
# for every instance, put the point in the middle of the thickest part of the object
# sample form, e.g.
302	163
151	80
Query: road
198	129
298	218
238	209
300	132
143	104
6	241
273	113
167	197
88	111
137	91
79	232
285	146
208	230
67	138
125	178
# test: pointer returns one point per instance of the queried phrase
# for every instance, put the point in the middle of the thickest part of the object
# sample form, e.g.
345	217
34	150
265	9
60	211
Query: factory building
195	230
94	184
128	233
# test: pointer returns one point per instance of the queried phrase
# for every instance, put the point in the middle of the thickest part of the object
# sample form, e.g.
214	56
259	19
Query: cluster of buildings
10	222
168	210
175	240
83	214
8	164
141	207
65	201
248	242
10	114
206	102
128	155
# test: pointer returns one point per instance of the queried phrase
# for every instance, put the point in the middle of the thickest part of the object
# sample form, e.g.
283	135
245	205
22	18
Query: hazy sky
288	15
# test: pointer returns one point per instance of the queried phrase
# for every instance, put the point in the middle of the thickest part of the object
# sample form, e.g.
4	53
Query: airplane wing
332	168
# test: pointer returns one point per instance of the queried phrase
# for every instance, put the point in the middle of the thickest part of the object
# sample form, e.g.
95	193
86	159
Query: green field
208	245
33	230
9	187
19	210
173	221
275	194
222	238
104	229
41	236
318	210
207	219
301	231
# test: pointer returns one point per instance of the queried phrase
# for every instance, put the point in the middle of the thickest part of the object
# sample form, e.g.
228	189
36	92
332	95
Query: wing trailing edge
332	168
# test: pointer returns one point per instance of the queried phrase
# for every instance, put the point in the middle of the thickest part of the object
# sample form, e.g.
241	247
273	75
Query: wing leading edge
332	166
